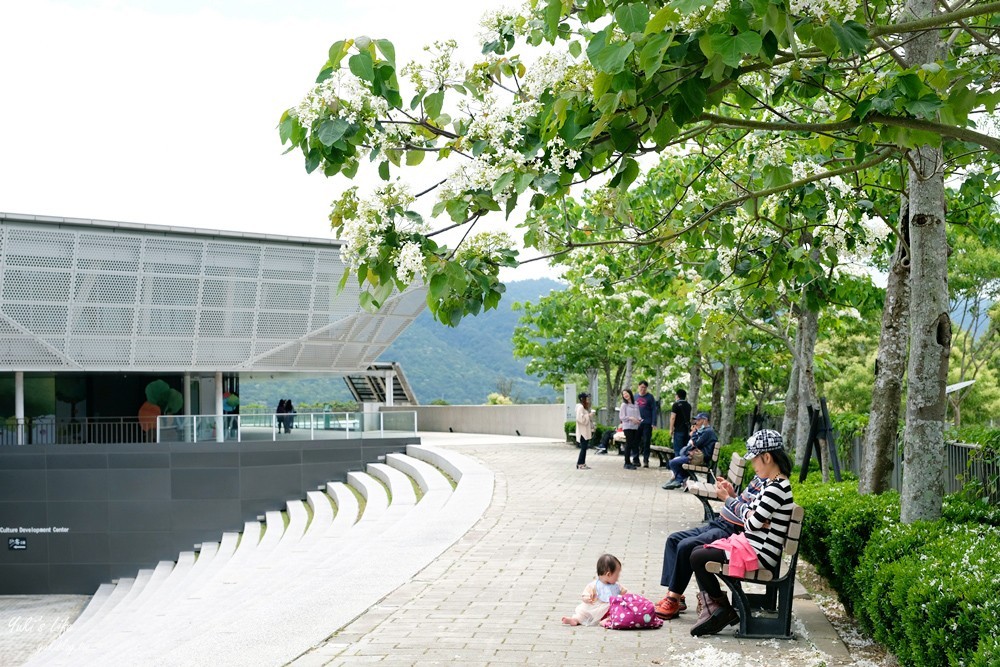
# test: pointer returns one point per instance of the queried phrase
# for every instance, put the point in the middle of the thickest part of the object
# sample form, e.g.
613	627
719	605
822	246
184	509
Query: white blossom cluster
410	263
504	19
441	70
342	95
704	16
823	9
486	244
545	73
364	231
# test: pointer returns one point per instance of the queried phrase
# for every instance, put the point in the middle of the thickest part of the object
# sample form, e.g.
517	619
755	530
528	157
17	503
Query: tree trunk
806	346
628	376
731	381
716	410
790	419
930	326
694	388
890	363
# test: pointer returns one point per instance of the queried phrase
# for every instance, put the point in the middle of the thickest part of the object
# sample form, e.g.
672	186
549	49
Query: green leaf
687	6
553	12
387	50
689	101
602	82
825	40
575	49
925	107
332	130
367	302
733	48
458	209
910	85
776	176
433	104
362	67
383	170
651	57
438	288
413	158
852	37
285	127
632	18
502	182
337	53
628	171
659	21
606	57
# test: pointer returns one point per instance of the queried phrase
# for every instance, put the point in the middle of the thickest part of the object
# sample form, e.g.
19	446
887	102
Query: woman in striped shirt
765	518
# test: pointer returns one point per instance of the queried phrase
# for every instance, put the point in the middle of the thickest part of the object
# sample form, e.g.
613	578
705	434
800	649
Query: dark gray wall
129	506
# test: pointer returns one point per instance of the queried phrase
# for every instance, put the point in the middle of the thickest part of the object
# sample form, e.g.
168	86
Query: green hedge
929	591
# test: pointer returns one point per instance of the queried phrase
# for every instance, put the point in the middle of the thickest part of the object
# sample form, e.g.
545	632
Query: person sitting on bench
765	519
677	572
700	446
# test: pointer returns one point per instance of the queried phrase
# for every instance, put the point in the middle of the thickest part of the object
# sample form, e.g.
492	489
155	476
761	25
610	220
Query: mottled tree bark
789	420
890	364
930	326
730	385
716	396
694	388
806	347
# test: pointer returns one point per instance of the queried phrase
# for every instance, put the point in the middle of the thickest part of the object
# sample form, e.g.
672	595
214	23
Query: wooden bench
709	468
705	490
767	614
662	453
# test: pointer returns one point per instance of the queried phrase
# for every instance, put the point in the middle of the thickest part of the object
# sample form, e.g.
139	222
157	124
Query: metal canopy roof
86	295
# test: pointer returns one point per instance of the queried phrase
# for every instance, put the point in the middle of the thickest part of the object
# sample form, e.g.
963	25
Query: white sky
165	111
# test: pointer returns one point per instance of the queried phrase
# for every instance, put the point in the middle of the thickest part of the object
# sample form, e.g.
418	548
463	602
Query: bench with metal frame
705	491
768	614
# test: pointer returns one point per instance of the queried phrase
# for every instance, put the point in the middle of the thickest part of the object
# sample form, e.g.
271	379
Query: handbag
697	457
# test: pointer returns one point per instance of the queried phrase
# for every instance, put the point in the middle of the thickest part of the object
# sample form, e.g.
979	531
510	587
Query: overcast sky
164	111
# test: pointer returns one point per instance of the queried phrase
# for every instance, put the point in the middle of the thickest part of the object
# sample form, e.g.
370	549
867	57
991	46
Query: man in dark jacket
647	411
704	439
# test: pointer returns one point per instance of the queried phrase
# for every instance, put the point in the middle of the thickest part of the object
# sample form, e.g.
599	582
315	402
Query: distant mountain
462	365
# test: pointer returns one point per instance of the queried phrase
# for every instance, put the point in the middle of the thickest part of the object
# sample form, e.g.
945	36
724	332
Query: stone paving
496	596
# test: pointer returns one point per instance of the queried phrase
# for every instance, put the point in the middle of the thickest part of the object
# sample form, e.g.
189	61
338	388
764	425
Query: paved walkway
496	596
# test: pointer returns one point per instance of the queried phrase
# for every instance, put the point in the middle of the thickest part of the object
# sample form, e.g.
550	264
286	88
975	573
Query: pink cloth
742	557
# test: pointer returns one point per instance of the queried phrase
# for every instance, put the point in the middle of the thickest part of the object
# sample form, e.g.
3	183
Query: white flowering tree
852	84
581	327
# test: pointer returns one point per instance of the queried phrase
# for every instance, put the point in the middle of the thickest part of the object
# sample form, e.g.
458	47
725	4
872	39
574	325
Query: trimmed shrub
929	591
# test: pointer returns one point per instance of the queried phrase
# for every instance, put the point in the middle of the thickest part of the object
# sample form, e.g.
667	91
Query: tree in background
853	85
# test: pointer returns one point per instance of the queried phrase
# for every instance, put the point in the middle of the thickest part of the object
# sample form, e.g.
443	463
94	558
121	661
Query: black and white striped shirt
766	520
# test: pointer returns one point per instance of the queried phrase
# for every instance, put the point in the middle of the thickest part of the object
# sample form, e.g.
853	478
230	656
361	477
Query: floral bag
630	612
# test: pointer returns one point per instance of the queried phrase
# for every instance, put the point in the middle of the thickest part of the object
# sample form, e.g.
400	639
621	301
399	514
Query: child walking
598	592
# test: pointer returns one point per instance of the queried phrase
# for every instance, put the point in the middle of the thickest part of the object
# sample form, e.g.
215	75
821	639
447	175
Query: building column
21	427
220	434
187	395
390	390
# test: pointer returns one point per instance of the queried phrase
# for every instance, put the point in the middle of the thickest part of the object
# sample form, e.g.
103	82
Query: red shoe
669	608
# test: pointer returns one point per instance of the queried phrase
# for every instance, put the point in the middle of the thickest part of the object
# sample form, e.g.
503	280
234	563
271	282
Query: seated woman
677	573
765	520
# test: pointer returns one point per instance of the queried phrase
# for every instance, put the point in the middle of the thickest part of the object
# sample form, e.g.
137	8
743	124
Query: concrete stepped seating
265	599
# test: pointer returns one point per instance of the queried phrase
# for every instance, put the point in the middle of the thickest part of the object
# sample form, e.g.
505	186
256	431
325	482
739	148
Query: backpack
630	612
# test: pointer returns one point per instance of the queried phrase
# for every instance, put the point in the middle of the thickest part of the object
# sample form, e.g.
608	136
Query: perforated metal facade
101	296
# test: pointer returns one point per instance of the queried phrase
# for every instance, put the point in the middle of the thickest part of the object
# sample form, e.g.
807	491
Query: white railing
279	426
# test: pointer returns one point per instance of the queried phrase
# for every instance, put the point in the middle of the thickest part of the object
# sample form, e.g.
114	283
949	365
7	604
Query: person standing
680	420
647	410
628	413
584	429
